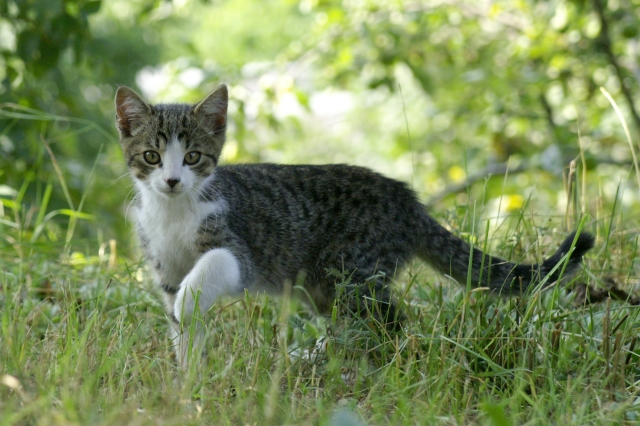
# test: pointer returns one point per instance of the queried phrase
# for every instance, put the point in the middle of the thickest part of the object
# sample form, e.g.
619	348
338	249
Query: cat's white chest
170	227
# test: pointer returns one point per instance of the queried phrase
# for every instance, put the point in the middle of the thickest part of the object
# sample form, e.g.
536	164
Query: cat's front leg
215	274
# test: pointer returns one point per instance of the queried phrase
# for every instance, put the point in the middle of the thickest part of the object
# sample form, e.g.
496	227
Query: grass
83	341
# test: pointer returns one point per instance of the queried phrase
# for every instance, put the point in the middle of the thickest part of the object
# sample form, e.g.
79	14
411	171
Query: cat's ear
131	110
212	111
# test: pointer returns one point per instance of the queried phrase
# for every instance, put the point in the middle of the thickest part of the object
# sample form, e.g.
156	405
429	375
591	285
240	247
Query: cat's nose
172	182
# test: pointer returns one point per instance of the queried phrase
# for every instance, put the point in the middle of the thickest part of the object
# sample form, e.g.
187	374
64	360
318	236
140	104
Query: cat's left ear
212	111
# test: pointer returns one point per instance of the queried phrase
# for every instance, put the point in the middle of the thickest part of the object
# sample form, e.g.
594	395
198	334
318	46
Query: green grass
84	343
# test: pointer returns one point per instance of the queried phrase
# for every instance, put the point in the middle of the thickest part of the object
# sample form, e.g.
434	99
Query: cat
209	231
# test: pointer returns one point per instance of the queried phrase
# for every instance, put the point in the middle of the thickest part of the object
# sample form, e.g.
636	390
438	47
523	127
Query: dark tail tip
584	243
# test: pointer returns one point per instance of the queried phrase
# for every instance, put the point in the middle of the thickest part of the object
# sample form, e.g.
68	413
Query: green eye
192	158
151	157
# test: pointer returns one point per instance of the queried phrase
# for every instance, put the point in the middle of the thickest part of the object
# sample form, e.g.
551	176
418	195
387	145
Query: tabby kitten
209	231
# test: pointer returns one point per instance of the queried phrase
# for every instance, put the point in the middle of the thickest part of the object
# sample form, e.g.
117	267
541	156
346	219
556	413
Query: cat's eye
151	157
192	158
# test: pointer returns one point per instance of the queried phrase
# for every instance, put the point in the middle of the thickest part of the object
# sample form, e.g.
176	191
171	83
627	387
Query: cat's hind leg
215	274
372	299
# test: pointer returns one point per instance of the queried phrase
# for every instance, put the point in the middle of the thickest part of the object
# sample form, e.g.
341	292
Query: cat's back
304	179
317	186
312	202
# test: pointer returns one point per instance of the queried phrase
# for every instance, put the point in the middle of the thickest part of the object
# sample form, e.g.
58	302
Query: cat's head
171	149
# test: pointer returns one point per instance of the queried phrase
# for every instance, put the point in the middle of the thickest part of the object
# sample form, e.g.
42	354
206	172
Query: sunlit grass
86	345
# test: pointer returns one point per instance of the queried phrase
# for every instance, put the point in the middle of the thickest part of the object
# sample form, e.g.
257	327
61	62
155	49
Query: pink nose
172	182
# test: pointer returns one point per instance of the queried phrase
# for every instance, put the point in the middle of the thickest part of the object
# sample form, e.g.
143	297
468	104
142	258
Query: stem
604	41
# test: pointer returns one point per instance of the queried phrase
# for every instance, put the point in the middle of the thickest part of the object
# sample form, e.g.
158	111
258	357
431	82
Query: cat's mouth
170	192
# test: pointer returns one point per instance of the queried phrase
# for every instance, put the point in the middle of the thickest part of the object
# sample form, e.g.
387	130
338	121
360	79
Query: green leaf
92	7
28	44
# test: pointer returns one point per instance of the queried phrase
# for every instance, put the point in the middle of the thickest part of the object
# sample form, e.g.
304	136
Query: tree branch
498	169
491	170
605	42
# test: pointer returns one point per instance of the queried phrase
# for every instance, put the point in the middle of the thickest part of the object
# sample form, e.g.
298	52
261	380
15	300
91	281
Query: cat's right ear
131	111
212	111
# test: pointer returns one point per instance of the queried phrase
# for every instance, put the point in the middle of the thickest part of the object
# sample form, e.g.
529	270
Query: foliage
57	78
503	81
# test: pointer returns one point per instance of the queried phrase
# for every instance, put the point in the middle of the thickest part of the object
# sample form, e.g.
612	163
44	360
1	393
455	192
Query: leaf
27	46
49	53
91	7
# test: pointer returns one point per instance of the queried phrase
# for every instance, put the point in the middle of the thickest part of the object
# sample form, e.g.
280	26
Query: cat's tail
451	255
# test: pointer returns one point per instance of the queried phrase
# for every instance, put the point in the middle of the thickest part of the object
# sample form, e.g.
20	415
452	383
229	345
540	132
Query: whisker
135	196
121	176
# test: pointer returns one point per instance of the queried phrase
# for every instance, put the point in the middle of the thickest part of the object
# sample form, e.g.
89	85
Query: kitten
209	231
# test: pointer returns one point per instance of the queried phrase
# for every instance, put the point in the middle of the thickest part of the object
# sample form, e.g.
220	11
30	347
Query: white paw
217	273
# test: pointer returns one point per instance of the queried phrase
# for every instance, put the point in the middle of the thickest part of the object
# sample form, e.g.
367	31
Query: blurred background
480	105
